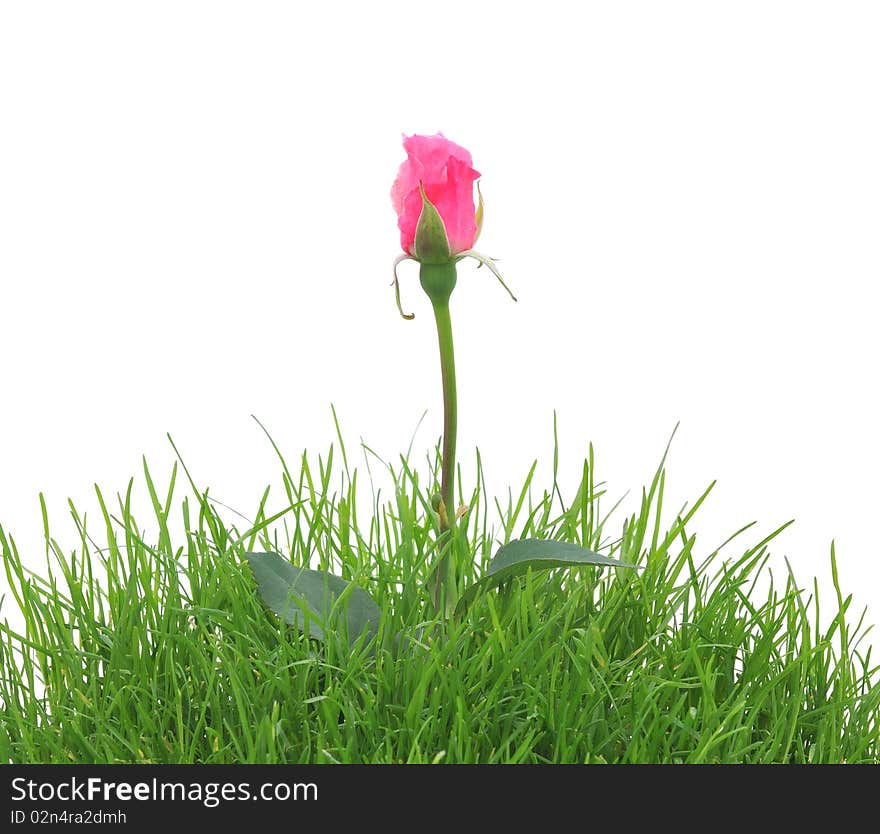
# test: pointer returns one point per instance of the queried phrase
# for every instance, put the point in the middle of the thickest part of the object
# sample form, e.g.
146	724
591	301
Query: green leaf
313	600
514	557
520	555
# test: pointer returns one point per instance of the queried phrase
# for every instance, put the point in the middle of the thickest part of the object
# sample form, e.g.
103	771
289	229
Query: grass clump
160	651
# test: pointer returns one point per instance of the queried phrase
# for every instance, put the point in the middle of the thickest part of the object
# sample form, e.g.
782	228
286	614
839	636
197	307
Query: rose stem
450	410
438	281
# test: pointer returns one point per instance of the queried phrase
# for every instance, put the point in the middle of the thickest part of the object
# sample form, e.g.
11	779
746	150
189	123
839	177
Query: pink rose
445	171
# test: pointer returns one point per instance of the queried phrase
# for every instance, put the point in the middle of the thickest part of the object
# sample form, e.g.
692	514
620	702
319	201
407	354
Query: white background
195	226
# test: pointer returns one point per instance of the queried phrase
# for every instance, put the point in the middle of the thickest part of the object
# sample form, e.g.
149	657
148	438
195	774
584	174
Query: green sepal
431	245
478	217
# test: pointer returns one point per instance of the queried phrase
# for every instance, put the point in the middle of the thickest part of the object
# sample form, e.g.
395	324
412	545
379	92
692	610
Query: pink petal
445	169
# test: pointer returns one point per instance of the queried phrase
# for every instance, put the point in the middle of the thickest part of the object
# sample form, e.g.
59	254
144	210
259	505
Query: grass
136	651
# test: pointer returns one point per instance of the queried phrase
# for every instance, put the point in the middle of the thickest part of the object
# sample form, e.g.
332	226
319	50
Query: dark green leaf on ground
520	555
313	600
